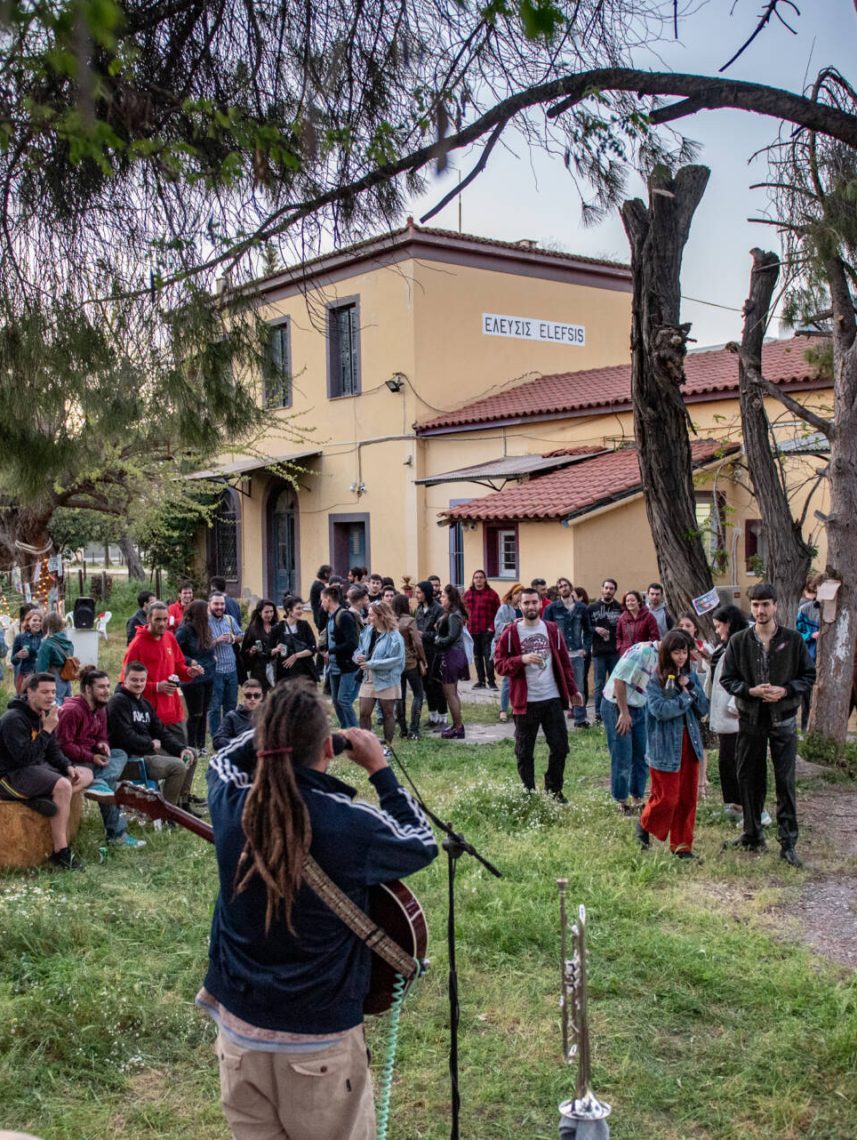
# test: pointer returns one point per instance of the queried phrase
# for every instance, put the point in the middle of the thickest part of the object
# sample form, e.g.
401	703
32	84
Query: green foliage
169	531
72	529
822	749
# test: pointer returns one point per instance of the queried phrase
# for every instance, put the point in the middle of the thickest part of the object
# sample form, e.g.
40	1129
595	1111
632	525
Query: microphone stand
455	845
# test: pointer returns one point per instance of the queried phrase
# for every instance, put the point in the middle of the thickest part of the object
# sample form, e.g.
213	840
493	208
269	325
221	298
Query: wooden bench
25	836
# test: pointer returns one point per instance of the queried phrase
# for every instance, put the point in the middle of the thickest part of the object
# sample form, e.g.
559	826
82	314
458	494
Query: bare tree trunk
789	557
829	716
658	234
136	570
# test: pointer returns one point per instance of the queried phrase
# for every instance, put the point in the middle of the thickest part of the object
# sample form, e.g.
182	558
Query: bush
821	749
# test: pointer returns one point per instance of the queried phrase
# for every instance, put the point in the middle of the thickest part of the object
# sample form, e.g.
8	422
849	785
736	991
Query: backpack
70	669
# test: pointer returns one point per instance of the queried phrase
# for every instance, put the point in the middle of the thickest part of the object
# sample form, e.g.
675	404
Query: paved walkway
493	730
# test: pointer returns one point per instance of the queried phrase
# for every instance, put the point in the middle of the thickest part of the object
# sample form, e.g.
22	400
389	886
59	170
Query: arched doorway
283	543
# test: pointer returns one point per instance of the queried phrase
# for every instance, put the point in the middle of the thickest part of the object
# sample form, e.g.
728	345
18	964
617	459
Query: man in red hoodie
177	609
155	647
533	655
82	736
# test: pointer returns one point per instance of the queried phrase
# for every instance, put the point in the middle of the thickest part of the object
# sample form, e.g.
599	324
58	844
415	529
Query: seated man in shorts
33	769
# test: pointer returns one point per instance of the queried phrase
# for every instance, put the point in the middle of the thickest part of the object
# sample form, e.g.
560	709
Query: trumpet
585	1106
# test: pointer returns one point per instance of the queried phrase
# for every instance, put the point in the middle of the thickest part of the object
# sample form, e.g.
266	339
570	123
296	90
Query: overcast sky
527	195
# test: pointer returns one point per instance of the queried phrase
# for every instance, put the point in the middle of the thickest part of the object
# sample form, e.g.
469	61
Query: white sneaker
766	820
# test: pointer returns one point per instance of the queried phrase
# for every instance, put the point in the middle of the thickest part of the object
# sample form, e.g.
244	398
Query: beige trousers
324	1095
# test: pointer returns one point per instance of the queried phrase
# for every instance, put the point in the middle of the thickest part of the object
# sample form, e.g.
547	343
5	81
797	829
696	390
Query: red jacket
162	657
507	659
630	630
176	613
80	728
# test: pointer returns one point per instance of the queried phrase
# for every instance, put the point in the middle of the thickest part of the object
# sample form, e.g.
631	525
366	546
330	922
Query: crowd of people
193	677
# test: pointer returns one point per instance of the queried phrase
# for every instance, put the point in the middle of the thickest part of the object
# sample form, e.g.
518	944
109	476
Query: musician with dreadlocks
287	979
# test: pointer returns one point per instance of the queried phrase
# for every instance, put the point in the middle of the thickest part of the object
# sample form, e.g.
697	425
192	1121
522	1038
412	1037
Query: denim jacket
387	663
574	623
667	715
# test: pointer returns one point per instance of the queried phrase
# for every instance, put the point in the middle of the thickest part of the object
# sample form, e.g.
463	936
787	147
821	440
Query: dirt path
826	908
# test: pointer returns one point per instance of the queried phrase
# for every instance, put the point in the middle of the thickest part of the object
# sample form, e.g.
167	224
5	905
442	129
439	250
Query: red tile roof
709	374
575	490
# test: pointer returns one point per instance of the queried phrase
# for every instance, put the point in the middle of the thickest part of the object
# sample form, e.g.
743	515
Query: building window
343	339
223	560
711	525
277	368
755	548
501	551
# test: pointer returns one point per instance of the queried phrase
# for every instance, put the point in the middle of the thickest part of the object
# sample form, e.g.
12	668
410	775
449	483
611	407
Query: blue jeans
343	690
115	824
504	694
628	767
604	666
224	696
578	664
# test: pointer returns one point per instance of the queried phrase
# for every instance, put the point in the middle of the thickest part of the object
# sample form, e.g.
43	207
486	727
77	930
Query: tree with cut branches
789	556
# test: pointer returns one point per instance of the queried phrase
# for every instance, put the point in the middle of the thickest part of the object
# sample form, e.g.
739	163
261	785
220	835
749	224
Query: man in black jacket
33	768
767	669
322	579
341	645
134	726
604	617
241	718
141	616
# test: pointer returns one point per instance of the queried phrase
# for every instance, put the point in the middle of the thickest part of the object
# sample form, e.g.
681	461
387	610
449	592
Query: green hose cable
383	1112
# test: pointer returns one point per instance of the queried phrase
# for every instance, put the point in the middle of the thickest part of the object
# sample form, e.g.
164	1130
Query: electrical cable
388	1066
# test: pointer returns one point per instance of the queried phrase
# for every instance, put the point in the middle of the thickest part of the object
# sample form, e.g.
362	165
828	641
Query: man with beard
532	653
82	736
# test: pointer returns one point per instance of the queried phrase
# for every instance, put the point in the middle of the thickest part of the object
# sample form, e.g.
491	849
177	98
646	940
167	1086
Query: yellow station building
453	402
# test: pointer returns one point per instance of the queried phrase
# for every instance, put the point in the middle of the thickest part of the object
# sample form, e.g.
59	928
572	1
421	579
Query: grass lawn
704	1022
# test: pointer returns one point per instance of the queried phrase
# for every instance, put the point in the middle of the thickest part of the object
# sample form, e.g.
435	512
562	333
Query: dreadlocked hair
291	729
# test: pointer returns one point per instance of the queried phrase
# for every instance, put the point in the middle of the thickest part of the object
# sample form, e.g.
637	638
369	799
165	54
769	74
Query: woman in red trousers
674	703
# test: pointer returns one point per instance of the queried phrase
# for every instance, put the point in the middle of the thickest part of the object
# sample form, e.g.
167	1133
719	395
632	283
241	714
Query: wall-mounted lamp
396	382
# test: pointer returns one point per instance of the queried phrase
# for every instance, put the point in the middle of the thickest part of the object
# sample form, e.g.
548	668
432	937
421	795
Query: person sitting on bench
135	727
33	768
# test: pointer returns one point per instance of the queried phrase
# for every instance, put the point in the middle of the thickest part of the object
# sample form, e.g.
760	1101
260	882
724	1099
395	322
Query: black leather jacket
786	663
